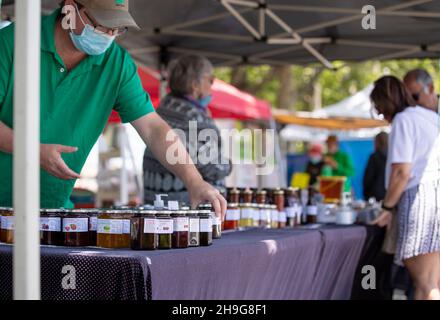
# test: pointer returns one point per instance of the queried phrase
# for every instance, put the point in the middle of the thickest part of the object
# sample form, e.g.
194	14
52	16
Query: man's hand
51	161
384	219
331	162
203	192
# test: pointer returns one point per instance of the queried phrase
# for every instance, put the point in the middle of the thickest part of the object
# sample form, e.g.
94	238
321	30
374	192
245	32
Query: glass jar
50	227
93	226
234	195
75	224
291	204
165	227
113	230
194	228
144	230
261	196
216	226
255	215
247	195
180	229
7	225
232	218
205	228
246	215
265	215
274	216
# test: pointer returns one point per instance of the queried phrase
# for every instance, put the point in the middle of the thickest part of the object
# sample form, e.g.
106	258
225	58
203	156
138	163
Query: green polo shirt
345	168
75	105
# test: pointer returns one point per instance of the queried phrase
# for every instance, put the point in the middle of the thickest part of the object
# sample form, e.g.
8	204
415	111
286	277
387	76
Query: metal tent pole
27	150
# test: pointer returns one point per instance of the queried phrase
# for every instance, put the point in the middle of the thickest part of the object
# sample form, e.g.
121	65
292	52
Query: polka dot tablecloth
84	274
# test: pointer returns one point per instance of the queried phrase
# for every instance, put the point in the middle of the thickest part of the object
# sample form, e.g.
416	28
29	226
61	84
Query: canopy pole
27	150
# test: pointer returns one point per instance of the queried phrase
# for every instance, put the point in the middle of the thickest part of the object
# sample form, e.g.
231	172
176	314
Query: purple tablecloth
253	264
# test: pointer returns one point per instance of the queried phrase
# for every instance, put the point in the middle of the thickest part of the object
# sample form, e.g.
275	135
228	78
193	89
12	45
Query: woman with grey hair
190	81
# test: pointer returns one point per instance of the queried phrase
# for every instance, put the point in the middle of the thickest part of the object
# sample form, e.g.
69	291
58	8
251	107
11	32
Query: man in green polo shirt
84	75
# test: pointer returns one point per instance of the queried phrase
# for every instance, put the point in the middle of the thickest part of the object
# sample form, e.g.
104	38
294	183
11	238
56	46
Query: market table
253	264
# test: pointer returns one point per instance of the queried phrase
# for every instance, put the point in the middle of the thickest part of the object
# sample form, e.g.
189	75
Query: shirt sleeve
5	65
132	102
401	149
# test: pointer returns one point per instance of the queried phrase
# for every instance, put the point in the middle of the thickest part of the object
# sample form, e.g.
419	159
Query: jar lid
261	192
205	213
178	213
232	205
234	191
248	191
205	206
6	209
278	191
192	213
163	214
246	205
147	212
272	206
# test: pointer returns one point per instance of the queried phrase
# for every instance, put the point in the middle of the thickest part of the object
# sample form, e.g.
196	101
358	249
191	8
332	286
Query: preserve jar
234	195
75	226
144	230
247	195
7	225
165	227
205	228
194	228
50	227
180	229
274	216
246	215
265	215
93	226
216	226
232	218
261	197
291	204
113	231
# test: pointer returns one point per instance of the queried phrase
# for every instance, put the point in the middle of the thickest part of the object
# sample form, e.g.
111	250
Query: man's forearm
163	142
6	138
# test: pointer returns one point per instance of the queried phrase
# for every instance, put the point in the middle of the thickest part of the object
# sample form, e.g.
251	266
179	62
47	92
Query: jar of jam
165	225
194	228
232	218
93	226
113	230
7	225
265	215
180	229
246	215
216	226
50	227
291	204
274	216
205	228
247	195
234	195
144	230
75	226
261	197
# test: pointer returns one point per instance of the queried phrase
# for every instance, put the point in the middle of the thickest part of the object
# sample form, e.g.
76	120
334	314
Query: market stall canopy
280	31
227	101
332	123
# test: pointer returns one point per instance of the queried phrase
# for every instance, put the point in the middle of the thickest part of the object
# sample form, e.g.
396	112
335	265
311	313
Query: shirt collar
48	38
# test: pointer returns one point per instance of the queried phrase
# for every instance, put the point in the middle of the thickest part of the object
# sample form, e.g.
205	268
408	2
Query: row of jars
135	229
261	215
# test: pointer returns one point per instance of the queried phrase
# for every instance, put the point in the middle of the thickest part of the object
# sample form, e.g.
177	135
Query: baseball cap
110	13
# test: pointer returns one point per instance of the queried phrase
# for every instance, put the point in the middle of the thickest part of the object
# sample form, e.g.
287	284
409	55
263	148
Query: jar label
206	225
181	224
291	212
255	214
113	226
75	225
150	225
165	226
312	210
50	224
194	225
233	214
7	223
274	215
264	214
93	224
246	213
282	217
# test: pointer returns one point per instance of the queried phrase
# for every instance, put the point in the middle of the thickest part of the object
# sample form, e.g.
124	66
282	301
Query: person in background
190	81
374	177
338	163
315	164
413	184
419	83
